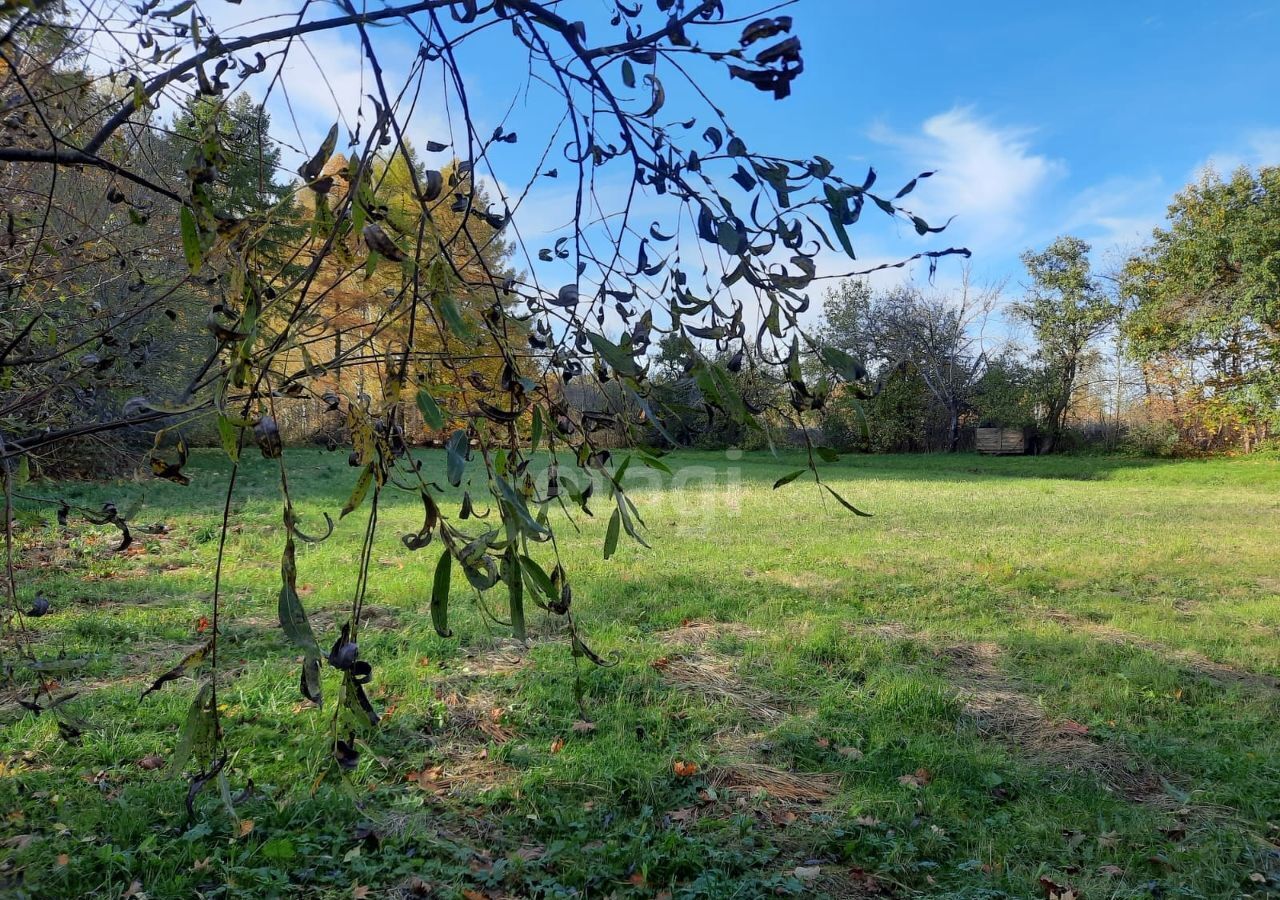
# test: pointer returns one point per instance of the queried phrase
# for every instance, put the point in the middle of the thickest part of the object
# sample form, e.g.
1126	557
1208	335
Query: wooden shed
1001	440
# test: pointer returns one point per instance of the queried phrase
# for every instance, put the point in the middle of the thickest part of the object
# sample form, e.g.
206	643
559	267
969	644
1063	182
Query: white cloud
988	176
1260	147
1118	214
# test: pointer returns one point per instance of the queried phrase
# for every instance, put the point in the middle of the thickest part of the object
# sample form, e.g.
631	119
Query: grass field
1023	677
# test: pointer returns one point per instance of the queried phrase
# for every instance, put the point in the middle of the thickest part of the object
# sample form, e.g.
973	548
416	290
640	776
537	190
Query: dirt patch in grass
714	677
1196	663
755	779
696	633
1002	710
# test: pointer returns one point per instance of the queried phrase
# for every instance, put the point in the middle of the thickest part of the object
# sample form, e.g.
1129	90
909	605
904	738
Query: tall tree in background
1206	304
1067	309
941	335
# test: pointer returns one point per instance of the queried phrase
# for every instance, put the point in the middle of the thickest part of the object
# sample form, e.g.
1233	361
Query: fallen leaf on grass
660	663
359	891
133	890
154	761
246	827
867	821
202	624
637	879
808	873
201	865
1070	727
1055	891
917	779
557	745
582	726
684	769
850	753
64	860
783	817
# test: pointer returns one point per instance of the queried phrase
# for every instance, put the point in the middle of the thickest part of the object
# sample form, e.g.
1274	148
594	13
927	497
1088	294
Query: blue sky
1041	118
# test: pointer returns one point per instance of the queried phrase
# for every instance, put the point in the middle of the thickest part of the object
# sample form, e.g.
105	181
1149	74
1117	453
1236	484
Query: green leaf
523	518
456	456
431	412
538	578
845	503
843	364
440	595
536	437
827	454
448	307
199	732
788	478
191	239
230	435
357	495
611	536
294	622
628	73
618	359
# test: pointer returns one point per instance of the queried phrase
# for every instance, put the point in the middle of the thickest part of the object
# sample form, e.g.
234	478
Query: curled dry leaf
917	779
557	745
684	769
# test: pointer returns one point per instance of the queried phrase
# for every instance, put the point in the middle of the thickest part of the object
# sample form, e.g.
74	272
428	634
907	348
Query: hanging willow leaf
440	595
432	415
345	753
199	733
191	239
456	449
188	662
845	503
535	435
358	493
303	536
611	535
379	243
843	364
229	432
524	520
578	648
788	478
312	168
267	435
422	536
294	622
619	359
356	700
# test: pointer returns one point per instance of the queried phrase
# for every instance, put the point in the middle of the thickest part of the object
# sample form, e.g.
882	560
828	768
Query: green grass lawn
1022	677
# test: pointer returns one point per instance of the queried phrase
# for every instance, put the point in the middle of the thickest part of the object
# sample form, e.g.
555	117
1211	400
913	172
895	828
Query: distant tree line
1175	351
